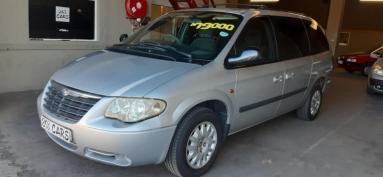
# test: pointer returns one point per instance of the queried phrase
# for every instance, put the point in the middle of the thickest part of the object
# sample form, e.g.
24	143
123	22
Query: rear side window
318	41
291	38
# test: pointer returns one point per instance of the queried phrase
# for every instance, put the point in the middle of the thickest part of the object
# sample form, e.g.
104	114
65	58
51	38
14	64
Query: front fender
189	103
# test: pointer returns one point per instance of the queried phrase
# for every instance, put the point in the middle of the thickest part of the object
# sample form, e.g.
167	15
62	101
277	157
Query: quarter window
291	38
379	51
318	41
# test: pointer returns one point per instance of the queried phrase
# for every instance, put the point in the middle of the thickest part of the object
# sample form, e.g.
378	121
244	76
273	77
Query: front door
259	84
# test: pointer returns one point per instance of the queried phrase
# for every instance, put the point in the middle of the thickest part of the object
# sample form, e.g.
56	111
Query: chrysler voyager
177	87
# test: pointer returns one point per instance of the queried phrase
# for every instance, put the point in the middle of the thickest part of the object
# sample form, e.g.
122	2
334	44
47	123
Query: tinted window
379	51
318	41
256	35
291	38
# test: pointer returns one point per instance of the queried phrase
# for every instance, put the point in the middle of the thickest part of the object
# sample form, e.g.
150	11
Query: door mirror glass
123	37
247	56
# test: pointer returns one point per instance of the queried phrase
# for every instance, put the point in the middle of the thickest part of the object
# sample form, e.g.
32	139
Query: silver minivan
176	88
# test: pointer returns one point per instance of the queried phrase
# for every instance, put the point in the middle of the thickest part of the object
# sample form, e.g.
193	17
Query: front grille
376	82
68	103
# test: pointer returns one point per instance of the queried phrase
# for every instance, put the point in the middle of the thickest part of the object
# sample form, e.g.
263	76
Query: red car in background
359	62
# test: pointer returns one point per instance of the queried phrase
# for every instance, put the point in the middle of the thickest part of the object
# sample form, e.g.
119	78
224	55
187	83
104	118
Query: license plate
340	62
56	129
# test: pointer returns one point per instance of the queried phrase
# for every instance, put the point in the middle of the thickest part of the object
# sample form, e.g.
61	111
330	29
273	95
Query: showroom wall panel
361	41
27	64
364	23
58	19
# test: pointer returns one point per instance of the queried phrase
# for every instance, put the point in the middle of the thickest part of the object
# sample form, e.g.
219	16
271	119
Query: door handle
278	78
289	76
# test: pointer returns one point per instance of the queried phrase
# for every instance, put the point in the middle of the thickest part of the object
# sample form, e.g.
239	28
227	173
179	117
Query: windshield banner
205	26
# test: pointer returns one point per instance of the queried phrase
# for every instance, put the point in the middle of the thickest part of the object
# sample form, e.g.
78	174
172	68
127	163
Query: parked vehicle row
359	61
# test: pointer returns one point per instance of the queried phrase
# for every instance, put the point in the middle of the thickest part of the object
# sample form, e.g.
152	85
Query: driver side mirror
247	56
123	37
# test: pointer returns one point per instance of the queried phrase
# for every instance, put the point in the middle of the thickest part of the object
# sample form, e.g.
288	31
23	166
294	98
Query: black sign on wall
62	19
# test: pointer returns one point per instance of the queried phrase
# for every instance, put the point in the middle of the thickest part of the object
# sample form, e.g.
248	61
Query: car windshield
379	51
193	37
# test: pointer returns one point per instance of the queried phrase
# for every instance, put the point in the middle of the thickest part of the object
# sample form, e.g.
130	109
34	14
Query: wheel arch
321	81
218	102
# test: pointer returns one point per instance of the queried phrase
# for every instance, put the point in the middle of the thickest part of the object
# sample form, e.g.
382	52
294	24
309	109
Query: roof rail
252	6
234	5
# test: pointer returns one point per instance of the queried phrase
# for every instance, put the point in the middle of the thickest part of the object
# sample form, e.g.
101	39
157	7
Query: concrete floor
345	141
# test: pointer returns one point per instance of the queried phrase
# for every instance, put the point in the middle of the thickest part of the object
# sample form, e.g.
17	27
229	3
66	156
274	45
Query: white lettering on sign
62	14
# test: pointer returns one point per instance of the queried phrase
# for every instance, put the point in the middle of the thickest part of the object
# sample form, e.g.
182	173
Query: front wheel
370	91
366	70
195	144
310	109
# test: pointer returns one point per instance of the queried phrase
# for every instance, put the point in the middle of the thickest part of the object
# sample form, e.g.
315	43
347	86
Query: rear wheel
310	109
195	144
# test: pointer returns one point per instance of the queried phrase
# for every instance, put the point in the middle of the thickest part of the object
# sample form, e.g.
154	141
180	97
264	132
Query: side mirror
123	37
246	56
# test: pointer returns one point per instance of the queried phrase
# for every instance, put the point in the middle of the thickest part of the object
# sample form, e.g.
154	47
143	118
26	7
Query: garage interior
345	140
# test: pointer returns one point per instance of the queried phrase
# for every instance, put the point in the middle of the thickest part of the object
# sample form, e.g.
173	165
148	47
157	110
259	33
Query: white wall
27	65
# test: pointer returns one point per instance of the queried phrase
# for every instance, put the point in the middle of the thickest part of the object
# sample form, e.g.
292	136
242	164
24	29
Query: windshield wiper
129	50
167	47
146	46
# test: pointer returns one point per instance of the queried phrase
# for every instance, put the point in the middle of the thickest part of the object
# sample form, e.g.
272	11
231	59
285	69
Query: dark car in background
359	61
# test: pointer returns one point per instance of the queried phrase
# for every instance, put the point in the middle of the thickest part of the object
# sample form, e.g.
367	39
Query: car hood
355	55
379	62
115	74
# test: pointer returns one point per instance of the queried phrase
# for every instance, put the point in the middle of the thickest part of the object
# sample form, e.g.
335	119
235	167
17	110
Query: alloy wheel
201	145
315	102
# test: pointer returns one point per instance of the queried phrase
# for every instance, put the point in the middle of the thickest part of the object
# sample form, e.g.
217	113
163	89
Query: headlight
351	60
378	70
134	109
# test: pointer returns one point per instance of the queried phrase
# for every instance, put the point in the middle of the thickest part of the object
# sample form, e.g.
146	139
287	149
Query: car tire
312	105
370	91
349	70
366	70
180	159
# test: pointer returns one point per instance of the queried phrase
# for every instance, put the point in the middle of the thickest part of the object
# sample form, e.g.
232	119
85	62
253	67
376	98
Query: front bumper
109	142
375	82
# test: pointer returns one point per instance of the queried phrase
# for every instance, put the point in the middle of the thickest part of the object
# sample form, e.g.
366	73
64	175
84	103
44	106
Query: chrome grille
376	82
68	103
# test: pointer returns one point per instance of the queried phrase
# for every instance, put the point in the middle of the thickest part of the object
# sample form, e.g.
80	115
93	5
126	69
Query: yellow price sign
205	26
